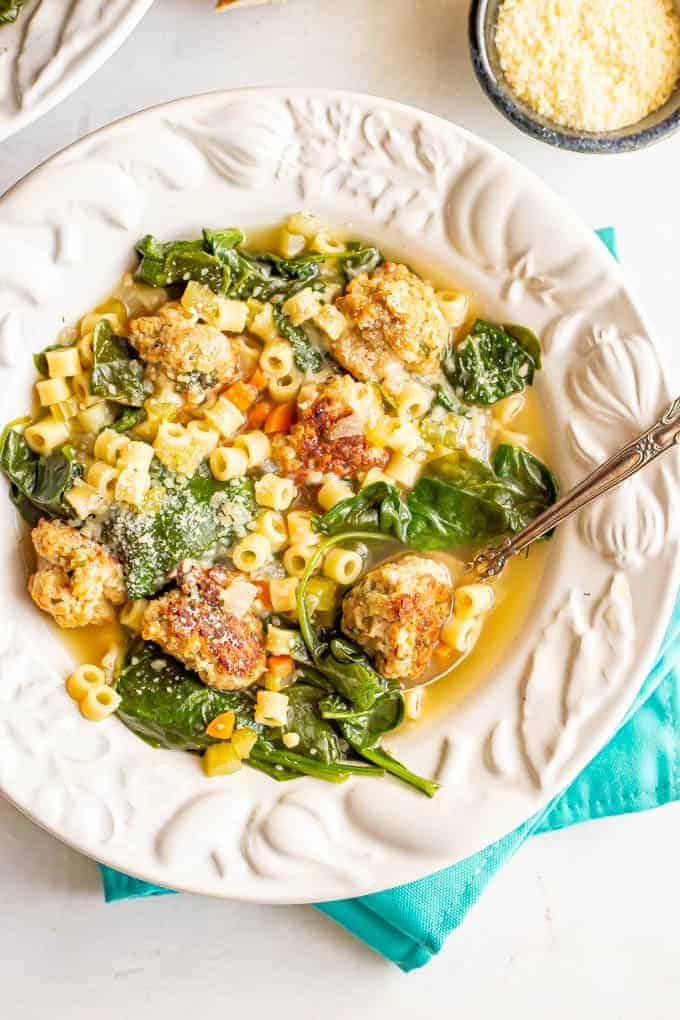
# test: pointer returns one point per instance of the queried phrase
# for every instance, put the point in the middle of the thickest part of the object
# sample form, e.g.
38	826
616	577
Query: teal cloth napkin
639	769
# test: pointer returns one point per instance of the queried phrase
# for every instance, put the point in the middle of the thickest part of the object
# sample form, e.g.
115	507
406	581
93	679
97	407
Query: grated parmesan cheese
593	65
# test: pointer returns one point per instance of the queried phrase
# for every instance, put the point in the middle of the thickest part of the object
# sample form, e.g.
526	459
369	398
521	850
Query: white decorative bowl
423	187
53	47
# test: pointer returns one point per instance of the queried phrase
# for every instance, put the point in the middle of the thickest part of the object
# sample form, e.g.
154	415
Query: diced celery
65	409
221	760
243	740
322	595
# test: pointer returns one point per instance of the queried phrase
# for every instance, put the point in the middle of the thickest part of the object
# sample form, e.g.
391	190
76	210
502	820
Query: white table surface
580	923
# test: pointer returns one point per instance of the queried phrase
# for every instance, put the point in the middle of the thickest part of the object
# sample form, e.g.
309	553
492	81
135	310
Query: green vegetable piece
445	400
195	516
127	420
10	10
527	339
362	702
40	359
358	259
38	484
166	705
164	264
488	365
533	485
463	500
116	373
379	508
308	358
317	737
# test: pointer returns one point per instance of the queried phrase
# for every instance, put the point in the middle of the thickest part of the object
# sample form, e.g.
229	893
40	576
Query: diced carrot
443	651
280	418
263	593
257	379
280	665
242	394
222	726
259	413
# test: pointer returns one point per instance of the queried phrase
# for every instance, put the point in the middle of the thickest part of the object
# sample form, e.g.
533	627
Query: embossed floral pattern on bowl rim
422	186
53	47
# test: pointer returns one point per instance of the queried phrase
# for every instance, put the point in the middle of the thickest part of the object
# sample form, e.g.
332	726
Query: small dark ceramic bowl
482	28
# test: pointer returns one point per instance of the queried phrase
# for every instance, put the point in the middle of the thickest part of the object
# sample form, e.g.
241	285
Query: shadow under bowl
487	67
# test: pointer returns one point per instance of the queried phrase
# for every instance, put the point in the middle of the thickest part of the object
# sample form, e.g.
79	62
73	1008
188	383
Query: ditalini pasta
254	480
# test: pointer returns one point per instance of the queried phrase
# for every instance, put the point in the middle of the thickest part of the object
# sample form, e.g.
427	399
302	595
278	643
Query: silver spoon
663	435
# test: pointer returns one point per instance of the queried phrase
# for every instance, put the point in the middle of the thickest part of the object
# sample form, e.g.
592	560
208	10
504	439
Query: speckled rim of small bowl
649	131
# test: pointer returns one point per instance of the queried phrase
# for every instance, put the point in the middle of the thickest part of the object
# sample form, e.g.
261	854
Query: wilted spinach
492	362
459	500
38	484
167	706
462	500
127	419
307	357
197	514
117	373
40	359
369	704
219	261
379	507
10	10
164	264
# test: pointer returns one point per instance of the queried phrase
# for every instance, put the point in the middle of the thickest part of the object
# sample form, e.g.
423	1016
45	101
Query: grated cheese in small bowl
591	75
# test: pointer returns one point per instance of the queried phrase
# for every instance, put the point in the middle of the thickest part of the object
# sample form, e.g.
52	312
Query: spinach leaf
196	516
163	264
10	10
490	364
527	339
443	399
379	507
40	359
464	500
38	483
444	515
363	732
358	259
533	485
127	419
218	261
116	373
289	762
317	737
166	705
307	357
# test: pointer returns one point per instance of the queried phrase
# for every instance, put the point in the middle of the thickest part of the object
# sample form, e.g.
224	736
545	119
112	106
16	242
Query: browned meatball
200	623
330	434
195	356
77	580
394	323
396	613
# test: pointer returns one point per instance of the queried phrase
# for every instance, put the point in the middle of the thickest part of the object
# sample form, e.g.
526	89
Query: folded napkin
639	769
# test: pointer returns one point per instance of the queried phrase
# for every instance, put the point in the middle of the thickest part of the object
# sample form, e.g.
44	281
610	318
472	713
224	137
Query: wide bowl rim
480	151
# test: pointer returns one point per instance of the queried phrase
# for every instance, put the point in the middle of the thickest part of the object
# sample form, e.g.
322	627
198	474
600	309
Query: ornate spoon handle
662	436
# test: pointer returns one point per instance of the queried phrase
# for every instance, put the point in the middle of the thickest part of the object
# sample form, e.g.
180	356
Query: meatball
330	434
200	623
77	580
195	356
394	323
396	613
